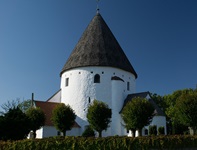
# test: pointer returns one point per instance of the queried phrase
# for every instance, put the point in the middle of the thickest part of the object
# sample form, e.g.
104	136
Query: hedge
107	143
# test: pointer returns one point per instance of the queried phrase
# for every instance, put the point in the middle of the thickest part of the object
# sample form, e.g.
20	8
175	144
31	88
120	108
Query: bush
153	130
161	130
89	132
114	143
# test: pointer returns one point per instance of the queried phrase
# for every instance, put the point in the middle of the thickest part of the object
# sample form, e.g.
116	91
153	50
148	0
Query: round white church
96	69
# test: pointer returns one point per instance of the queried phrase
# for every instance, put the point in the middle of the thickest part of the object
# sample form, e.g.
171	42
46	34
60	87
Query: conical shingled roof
98	47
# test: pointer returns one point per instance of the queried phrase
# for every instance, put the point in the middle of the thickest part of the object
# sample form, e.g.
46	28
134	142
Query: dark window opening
67	81
128	86
79	72
97	78
102	72
146	132
58	133
91	71
89	100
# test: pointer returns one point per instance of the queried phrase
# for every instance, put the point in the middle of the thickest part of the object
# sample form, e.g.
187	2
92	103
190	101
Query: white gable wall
159	121
56	98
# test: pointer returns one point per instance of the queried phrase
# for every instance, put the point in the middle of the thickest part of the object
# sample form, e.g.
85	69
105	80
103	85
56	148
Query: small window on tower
67	81
97	78
89	100
128	86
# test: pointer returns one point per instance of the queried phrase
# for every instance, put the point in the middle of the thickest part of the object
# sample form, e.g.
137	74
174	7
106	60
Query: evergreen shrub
161	130
89	132
153	130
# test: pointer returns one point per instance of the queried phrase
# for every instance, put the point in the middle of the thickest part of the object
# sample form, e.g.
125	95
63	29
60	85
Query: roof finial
97	9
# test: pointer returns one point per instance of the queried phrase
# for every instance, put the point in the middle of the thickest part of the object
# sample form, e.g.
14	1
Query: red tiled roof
48	107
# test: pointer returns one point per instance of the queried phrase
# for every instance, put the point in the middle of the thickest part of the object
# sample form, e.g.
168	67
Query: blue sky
36	38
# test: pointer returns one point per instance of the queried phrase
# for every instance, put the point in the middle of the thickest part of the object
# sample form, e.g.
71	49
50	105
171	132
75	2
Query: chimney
32	99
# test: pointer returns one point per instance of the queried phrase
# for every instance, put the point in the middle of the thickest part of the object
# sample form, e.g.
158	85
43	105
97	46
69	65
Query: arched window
97	78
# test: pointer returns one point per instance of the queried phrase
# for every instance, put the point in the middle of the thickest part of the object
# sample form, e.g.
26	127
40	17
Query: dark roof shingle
98	47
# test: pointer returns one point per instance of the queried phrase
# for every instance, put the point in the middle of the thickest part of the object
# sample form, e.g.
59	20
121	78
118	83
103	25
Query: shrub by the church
161	130
14	125
153	130
88	132
37	119
99	116
137	114
63	117
186	107
109	143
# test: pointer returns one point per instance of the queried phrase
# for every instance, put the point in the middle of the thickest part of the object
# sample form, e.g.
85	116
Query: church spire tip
97	9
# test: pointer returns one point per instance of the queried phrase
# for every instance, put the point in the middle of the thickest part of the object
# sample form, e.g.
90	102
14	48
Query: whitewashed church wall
118	97
49	131
39	133
130	134
81	89
159	121
74	132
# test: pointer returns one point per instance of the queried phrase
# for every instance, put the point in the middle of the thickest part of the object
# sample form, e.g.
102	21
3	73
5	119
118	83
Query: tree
137	114
63	117
153	130
2	126
186	106
89	132
37	119
159	100
25	105
11	104
161	130
99	116
174	123
14	125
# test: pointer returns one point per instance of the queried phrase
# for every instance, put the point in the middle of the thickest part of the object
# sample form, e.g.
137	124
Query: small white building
96	69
